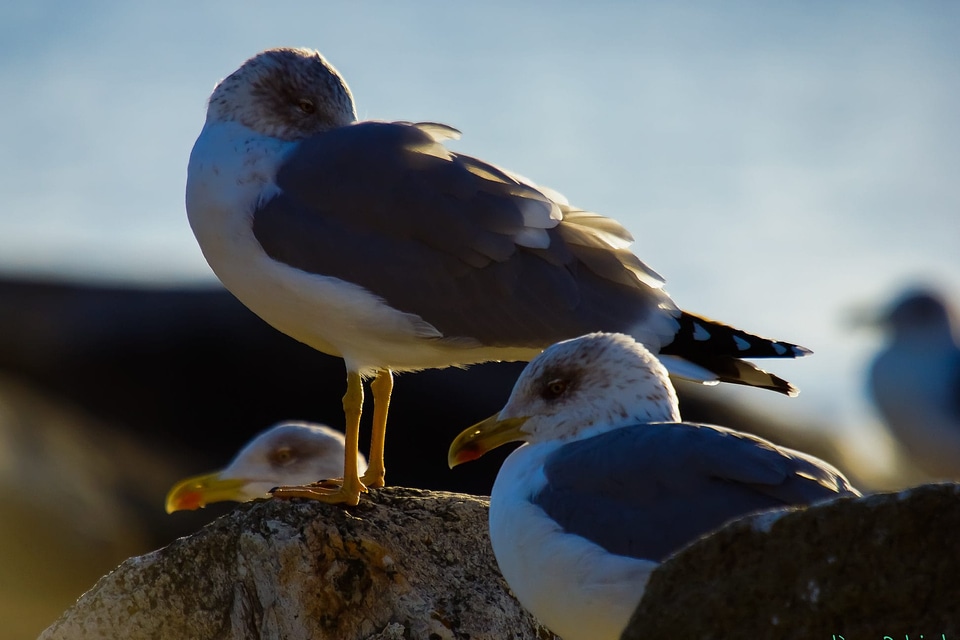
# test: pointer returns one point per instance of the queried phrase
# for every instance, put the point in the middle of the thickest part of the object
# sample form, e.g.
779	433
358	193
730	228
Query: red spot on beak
190	501
468	453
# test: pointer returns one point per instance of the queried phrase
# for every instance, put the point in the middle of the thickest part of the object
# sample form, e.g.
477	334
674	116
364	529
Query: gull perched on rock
915	380
287	453
373	242
610	482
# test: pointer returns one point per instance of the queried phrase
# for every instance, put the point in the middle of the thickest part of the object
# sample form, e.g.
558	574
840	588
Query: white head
285	93
289	453
600	379
576	389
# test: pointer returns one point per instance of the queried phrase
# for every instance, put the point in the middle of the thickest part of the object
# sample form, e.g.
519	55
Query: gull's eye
281	456
306	106
555	388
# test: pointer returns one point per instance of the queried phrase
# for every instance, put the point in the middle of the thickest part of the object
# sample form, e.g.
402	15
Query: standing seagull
371	241
610	482
915	381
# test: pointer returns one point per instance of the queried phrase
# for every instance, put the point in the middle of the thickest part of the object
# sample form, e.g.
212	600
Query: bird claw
331	491
372	480
330	483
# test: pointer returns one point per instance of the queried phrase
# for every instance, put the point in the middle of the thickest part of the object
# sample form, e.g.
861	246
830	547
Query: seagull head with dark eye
288	94
281	456
553	389
557	385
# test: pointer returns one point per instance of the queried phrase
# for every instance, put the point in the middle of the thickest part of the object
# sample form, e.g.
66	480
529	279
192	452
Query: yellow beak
483	437
199	491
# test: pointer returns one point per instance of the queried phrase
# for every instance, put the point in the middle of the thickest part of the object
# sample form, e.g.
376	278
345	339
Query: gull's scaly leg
349	492
382	387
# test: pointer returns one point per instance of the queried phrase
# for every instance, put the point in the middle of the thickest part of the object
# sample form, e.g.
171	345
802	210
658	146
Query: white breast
575	587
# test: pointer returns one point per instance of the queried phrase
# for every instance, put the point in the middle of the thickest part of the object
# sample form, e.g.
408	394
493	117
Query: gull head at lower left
288	453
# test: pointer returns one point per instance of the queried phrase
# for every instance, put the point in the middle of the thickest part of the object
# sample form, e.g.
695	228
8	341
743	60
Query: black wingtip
720	349
698	336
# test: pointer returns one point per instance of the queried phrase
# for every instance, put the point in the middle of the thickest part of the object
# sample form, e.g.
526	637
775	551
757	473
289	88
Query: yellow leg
382	387
349	492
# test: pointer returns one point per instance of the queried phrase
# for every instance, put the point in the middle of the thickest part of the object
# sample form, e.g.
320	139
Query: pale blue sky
776	162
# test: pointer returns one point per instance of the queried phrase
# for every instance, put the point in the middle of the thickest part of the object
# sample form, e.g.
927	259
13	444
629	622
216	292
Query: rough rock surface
882	565
402	564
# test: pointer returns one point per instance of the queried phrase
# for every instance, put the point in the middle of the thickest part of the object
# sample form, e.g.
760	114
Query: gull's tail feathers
719	349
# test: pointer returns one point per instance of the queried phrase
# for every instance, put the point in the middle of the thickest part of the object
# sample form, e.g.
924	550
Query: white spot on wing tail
699	333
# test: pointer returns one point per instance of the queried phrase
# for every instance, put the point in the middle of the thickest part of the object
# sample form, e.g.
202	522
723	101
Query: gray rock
886	565
404	563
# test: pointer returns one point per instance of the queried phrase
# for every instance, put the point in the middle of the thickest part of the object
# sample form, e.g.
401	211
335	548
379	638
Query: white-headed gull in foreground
610	482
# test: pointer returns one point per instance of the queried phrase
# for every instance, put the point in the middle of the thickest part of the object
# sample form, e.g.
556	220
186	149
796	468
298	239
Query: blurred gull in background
285	454
915	380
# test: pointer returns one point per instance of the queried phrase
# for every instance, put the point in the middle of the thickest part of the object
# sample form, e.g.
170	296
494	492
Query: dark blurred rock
402	564
76	498
879	566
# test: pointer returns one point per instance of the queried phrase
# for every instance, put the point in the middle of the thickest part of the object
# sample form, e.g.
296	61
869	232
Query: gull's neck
232	168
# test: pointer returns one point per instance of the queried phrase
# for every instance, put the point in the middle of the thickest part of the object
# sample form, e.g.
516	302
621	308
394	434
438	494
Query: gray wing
647	490
442	236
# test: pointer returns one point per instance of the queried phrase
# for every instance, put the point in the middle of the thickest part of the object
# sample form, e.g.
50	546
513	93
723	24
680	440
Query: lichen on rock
402	564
